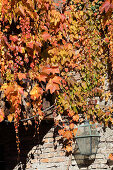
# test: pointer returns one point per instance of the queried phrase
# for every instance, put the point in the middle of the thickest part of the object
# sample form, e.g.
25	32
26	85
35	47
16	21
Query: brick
45	140
59	159
99	156
44	160
48	150
49	135
101	161
47	155
51	140
62	153
57	138
48	145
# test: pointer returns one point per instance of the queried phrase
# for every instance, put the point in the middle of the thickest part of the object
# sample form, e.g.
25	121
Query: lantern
87	138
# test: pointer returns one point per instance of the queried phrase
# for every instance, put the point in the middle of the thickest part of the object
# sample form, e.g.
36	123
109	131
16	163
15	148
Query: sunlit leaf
68	134
111	156
1	115
10	117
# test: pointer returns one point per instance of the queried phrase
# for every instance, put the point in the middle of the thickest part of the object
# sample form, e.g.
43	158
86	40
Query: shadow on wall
8	151
82	161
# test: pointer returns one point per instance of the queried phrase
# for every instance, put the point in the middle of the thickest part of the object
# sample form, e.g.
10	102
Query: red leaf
106	39
71	113
66	70
30	44
38	44
62	17
13	38
46	36
61	27
106	6
21	9
47	6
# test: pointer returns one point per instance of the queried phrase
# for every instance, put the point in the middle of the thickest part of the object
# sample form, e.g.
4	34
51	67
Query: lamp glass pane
95	141
83	131
94	131
84	145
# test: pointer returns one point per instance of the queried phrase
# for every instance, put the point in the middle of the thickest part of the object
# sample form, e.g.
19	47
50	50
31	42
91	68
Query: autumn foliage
58	48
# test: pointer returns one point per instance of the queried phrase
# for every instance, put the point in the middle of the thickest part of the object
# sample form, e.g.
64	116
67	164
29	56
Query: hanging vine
64	52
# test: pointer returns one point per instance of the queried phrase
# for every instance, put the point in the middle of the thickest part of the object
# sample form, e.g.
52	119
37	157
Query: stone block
49	135
48	150
100	156
44	160
48	145
57	159
47	155
50	140
46	140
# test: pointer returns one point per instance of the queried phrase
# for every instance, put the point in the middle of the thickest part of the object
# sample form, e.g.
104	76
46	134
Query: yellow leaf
84	85
10	117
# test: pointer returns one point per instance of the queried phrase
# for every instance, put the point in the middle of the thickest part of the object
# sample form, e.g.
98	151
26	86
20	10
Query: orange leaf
40	112
27	104
49	70
57	80
52	86
36	92
71	125
41	77
21	76
68	148
30	3
76	118
61	132
1	115
74	131
111	156
20	89
71	113
68	134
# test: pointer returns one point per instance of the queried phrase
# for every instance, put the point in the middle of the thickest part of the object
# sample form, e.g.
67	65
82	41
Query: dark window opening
2	163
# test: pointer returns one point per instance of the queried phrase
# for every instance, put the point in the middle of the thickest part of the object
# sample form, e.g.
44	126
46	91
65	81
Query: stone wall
50	155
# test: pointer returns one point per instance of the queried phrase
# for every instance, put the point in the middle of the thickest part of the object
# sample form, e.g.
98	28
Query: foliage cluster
64	52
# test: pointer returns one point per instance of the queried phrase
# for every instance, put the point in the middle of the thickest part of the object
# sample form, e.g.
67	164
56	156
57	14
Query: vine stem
69	163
